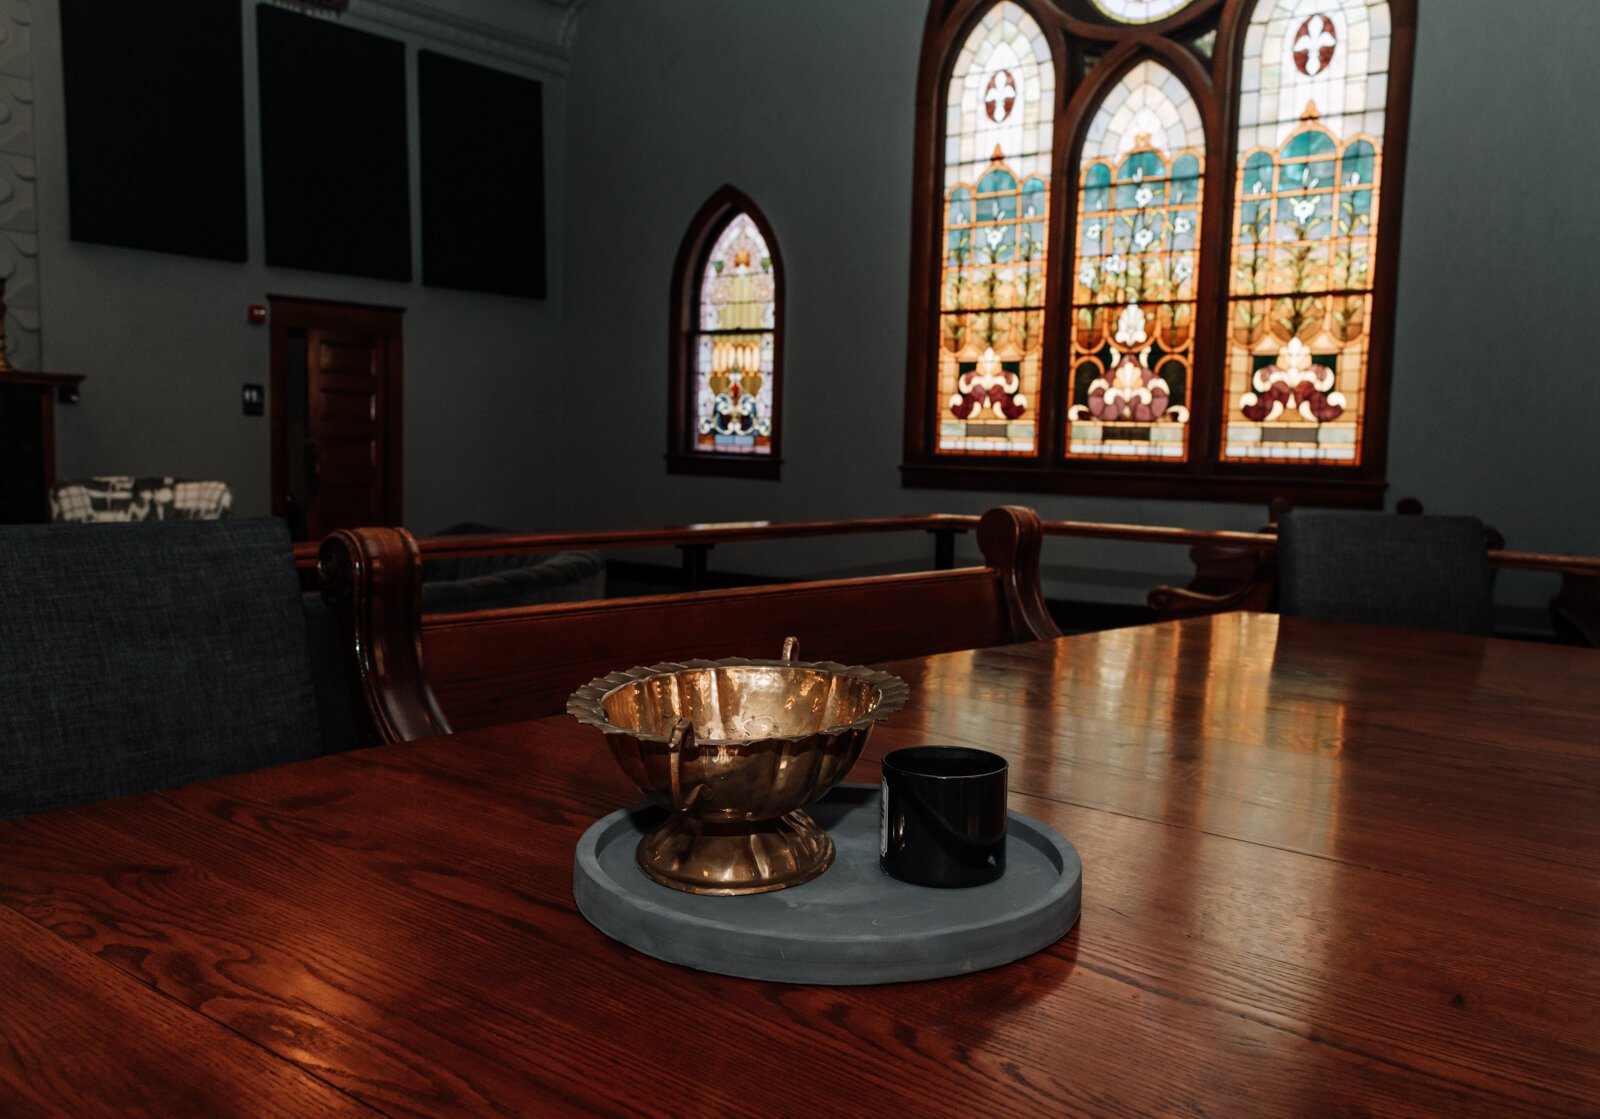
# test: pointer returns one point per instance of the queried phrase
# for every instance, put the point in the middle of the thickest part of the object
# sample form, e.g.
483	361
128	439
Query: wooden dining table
1327	870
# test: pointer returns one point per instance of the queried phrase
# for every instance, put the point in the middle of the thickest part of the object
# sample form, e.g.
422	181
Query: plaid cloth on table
121	498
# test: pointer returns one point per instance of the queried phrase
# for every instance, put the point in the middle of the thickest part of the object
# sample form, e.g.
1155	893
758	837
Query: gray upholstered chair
1417	572
142	656
124	498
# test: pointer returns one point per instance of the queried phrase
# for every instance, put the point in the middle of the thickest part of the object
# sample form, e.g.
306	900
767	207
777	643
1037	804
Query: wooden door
336	416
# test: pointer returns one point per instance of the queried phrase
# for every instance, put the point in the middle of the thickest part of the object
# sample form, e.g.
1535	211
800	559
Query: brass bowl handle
682	735
791	648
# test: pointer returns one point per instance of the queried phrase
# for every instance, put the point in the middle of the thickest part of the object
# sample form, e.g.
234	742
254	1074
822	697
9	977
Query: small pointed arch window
724	411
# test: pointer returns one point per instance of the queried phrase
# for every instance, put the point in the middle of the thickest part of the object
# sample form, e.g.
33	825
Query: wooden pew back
421	675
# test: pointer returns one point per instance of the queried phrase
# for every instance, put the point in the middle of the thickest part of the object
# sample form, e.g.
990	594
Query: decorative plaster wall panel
19	215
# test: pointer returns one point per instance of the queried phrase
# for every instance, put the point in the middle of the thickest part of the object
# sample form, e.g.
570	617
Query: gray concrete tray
853	924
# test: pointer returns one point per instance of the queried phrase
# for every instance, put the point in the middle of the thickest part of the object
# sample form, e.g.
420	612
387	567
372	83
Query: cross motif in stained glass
1315	44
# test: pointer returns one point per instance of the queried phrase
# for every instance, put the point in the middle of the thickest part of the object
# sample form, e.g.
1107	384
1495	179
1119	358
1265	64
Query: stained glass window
1133	302
1140	11
1122	348
999	116
733	347
1311	122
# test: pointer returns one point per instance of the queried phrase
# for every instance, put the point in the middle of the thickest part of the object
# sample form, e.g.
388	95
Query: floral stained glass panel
1133	302
1311	125
999	116
733	348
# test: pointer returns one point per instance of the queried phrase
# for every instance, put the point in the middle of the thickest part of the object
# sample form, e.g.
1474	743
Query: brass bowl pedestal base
754	857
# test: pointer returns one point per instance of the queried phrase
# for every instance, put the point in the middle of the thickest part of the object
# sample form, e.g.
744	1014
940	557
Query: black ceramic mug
943	816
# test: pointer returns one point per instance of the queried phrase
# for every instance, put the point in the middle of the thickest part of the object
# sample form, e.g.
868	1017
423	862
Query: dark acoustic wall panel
155	125
335	179
482	178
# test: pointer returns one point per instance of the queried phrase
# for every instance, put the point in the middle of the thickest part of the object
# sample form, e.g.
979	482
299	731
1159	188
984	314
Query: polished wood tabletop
1328	870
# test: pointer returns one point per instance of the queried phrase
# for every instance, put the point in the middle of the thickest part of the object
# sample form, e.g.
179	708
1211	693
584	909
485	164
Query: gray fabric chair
1418	572
143	656
125	498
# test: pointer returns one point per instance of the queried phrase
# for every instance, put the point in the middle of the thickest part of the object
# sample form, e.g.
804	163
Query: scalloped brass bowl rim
587	704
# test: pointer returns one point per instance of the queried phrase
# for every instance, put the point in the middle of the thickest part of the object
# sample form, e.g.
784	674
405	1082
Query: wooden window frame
704	229
1091	53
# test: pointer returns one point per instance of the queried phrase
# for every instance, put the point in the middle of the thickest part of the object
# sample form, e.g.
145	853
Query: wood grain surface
1328	870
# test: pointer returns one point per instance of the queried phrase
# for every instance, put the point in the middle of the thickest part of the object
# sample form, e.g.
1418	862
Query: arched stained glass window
1133	303
733	348
999	119
726	347
1311	123
1150	258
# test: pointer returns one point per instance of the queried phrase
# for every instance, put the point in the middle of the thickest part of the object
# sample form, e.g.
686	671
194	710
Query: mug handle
791	648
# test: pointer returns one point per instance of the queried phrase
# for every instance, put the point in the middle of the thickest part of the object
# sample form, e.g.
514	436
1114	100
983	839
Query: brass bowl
736	748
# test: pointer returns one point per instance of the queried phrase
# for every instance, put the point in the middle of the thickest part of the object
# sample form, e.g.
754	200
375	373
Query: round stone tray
852	924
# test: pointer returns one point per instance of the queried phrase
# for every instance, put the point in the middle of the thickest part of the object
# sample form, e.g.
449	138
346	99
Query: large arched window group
1154	248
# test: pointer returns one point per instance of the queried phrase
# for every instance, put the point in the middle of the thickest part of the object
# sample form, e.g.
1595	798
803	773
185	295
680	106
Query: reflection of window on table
1121	297
727	333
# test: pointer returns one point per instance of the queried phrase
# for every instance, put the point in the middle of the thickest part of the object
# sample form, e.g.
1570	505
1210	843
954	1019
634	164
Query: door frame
286	312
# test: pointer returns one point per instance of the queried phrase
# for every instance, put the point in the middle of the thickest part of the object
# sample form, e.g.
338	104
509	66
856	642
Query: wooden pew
422	675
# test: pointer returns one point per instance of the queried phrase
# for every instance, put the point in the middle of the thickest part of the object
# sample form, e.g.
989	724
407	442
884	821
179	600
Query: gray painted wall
808	107
165	343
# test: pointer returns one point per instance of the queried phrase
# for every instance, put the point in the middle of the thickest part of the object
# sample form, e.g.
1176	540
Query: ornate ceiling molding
537	34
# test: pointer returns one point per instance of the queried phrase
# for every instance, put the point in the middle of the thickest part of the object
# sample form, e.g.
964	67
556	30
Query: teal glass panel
1306	176
1359	201
1359	165
959	210
1144	165
1096	189
1258	172
1034	199
995	181
1308	143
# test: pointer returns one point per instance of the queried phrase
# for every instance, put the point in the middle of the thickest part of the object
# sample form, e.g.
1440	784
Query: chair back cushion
1412	571
141	656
